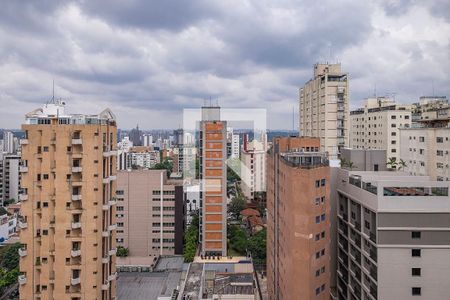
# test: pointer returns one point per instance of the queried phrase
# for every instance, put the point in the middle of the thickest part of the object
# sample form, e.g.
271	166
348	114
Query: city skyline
147	65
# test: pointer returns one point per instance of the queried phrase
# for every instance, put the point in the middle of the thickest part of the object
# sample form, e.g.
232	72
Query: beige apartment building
425	148
298	220
213	175
377	124
67	224
139	209
324	108
253	170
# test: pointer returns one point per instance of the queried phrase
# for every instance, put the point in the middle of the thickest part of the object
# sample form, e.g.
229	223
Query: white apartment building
8	225
377	124
253	168
393	236
235	147
426	149
143	157
9	177
324	108
8	142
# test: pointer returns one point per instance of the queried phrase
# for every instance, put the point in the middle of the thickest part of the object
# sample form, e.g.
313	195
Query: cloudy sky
147	60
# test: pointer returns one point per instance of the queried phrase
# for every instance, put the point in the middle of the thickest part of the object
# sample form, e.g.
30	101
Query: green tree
191	239
166	164
257	246
122	251
392	163
237	204
237	239
401	164
9	256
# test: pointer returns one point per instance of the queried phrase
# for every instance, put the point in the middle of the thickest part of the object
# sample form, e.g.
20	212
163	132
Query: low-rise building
393	232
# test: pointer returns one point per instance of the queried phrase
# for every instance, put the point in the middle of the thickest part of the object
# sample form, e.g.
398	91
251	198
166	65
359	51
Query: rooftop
307	160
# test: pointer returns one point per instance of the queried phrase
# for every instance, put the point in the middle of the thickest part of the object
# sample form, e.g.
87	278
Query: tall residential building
425	148
324	108
377	125
143	157
139	209
253	170
430	107
123	158
9	177
393	236
213	175
68	213
8	142
298	220
148	140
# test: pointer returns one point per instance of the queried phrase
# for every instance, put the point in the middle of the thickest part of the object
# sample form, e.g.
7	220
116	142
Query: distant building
393	236
213	183
141	215
253	170
9	177
364	159
425	148
430	107
143	157
148	140
377	125
8	142
324	108
298	220
123	157
135	136
8	225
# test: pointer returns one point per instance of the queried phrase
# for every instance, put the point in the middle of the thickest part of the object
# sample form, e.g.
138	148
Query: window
45	148
317	201
317	237
406	117
393	133
322	235
416	291
439	153
317	273
45	176
416	252
421	139
393	117
421	151
416	271
322	252
317	291
439	139
317	183
322	199
317	254
393	125
322	182
322	217
322	288
322	270
317	219
415	234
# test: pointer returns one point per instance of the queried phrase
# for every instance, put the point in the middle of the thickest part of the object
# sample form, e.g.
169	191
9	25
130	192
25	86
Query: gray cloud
148	60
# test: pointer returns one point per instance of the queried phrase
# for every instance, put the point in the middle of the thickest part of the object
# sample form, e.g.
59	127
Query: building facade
139	209
213	182
393	234
377	125
253	168
425	149
67	224
9	177
298	220
324	108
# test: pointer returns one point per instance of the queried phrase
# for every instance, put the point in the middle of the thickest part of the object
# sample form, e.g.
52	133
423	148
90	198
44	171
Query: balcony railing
75	281
24	141
23	197
112	227
22	279
105	286
112	277
105	233
23	224
75	253
112	252
77	169
22	252
76	197
23	169
77	141
76	225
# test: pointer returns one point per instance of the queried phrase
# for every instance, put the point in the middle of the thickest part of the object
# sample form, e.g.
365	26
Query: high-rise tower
324	108
68	227
213	175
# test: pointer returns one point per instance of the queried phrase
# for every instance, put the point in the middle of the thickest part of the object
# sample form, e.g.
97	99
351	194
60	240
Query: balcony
75	281
77	169
23	197
112	177
105	206
76	182
105	233
75	253
113	153
23	169
22	279
22	252
24	141
105	260
105	286
112	202
112	227
23	224
76	197
76	225
106	180
106	154
112	252
112	277
77	141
